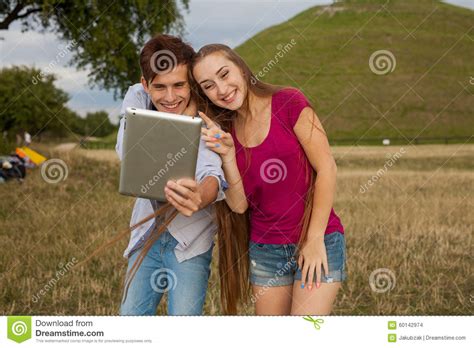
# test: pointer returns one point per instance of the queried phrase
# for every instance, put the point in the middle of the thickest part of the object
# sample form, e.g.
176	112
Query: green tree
102	36
30	103
98	124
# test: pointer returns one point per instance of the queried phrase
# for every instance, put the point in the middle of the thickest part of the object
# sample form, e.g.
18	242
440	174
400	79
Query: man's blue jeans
160	272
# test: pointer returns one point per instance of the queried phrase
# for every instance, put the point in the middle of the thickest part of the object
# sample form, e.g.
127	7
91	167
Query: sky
207	21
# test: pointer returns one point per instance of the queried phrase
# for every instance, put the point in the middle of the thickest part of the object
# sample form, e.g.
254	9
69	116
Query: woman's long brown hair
167	211
233	258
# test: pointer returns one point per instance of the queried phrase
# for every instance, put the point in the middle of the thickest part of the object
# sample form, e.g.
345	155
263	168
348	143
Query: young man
179	261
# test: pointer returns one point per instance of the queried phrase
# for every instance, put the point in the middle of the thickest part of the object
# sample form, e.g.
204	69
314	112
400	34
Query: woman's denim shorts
276	264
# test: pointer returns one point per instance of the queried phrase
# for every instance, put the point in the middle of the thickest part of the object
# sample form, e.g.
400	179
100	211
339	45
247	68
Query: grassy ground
406	209
325	51
415	220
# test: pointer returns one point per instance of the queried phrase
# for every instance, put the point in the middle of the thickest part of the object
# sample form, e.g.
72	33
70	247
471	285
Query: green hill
325	51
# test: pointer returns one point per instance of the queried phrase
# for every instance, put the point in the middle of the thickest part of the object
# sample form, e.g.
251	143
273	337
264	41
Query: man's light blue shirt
194	234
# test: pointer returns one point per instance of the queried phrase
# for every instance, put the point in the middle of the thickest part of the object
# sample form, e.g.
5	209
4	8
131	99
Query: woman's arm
313	139
235	194
223	144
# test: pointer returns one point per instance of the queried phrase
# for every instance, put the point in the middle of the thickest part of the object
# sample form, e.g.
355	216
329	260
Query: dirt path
99	155
66	147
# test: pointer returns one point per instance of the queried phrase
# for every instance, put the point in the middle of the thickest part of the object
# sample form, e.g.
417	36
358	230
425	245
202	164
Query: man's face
170	92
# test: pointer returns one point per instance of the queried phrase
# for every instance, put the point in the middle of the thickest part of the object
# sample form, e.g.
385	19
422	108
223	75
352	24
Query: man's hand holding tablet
184	195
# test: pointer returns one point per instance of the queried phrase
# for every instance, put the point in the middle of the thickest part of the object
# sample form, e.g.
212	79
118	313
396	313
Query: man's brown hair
162	53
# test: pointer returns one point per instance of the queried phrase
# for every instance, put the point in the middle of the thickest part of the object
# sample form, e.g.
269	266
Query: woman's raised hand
217	140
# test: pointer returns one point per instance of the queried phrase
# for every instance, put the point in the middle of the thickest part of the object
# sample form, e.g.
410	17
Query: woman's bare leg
272	300
316	301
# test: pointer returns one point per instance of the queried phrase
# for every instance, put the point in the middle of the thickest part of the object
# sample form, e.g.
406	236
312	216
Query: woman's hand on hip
311	258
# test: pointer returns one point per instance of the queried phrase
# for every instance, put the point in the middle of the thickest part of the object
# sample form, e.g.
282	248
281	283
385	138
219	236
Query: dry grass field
407	210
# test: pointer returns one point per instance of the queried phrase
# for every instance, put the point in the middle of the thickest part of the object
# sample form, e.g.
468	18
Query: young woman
272	145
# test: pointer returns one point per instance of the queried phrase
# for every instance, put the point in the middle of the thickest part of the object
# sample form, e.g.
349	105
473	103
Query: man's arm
208	188
189	196
136	97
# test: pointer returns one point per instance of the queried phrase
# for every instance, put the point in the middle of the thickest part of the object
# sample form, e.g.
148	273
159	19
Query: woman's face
221	80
